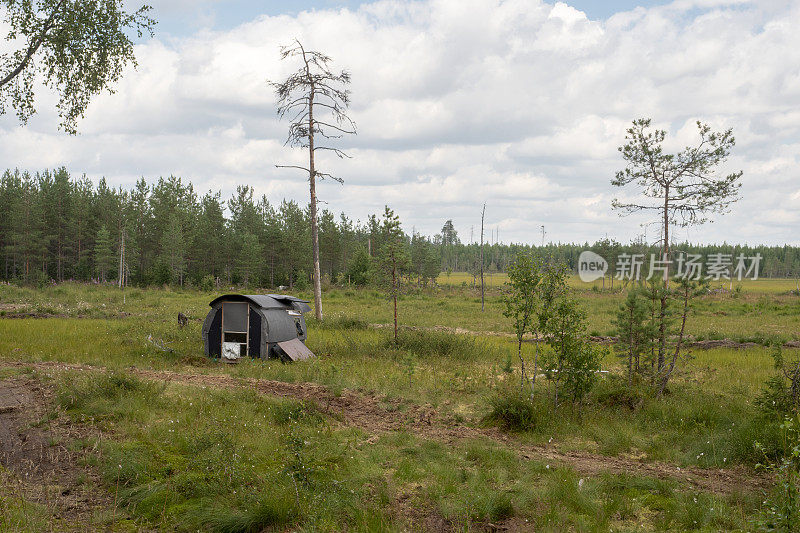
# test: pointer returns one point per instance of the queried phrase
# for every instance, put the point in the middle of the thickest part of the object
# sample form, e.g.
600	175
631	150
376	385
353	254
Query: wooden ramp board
296	350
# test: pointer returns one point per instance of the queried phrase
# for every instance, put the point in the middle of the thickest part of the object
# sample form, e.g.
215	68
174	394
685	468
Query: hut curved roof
266	301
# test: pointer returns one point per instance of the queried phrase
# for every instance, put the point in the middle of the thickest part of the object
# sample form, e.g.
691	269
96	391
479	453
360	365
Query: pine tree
358	272
272	237
210	240
393	260
329	243
249	259
55	188
295	250
103	253
28	240
10	195
82	233
173	252
635	330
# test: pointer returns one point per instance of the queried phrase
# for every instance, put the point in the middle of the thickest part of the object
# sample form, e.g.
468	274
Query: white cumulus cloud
518	103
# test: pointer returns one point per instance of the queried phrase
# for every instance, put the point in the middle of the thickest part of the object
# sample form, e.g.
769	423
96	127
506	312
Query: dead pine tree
683	188
315	100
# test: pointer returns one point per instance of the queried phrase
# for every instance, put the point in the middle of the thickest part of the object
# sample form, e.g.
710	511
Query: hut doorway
235	329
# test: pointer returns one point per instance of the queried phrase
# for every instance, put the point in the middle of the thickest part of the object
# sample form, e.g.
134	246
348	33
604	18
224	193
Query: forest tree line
55	227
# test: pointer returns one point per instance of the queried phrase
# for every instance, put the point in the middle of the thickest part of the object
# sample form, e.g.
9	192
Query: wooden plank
296	350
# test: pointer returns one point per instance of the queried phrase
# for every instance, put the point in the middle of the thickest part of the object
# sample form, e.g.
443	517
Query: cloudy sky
519	103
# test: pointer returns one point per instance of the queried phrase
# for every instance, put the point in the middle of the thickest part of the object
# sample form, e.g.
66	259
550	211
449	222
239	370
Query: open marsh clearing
370	435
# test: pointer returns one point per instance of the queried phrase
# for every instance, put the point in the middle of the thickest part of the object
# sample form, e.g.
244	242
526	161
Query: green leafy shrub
781	511
781	393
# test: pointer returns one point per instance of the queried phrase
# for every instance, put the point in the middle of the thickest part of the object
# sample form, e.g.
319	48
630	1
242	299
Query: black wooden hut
259	325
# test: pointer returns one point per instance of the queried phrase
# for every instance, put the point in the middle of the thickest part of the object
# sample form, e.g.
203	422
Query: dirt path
376	416
38	466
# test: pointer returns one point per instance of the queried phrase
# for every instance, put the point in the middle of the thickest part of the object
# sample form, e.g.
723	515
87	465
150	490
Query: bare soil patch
377	416
33	451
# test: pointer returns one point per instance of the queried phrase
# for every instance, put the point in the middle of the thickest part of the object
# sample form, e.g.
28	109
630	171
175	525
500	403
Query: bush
614	391
775	396
514	411
781	393
782	509
207	284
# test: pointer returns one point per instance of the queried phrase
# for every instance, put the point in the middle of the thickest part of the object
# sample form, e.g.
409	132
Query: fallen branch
159	344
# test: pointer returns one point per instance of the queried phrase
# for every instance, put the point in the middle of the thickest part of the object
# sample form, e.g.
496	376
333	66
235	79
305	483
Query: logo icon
591	266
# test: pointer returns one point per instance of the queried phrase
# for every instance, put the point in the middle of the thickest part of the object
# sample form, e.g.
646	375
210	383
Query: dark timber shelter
259	325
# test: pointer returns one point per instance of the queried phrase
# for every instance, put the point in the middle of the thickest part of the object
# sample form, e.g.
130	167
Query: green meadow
409	443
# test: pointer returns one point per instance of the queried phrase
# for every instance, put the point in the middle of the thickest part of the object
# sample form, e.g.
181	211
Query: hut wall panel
281	325
215	334
255	334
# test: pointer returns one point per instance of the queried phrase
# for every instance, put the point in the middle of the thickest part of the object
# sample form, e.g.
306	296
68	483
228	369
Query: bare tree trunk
313	190
60	244
666	236
121	273
394	294
483	214
665	378
555	389
535	364
662	333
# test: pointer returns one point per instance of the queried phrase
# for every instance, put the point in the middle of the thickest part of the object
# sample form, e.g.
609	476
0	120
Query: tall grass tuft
341	322
514	411
107	394
425	343
277	511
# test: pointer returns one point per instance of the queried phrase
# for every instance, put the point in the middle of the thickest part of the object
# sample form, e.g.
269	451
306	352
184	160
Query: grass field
497	279
373	436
